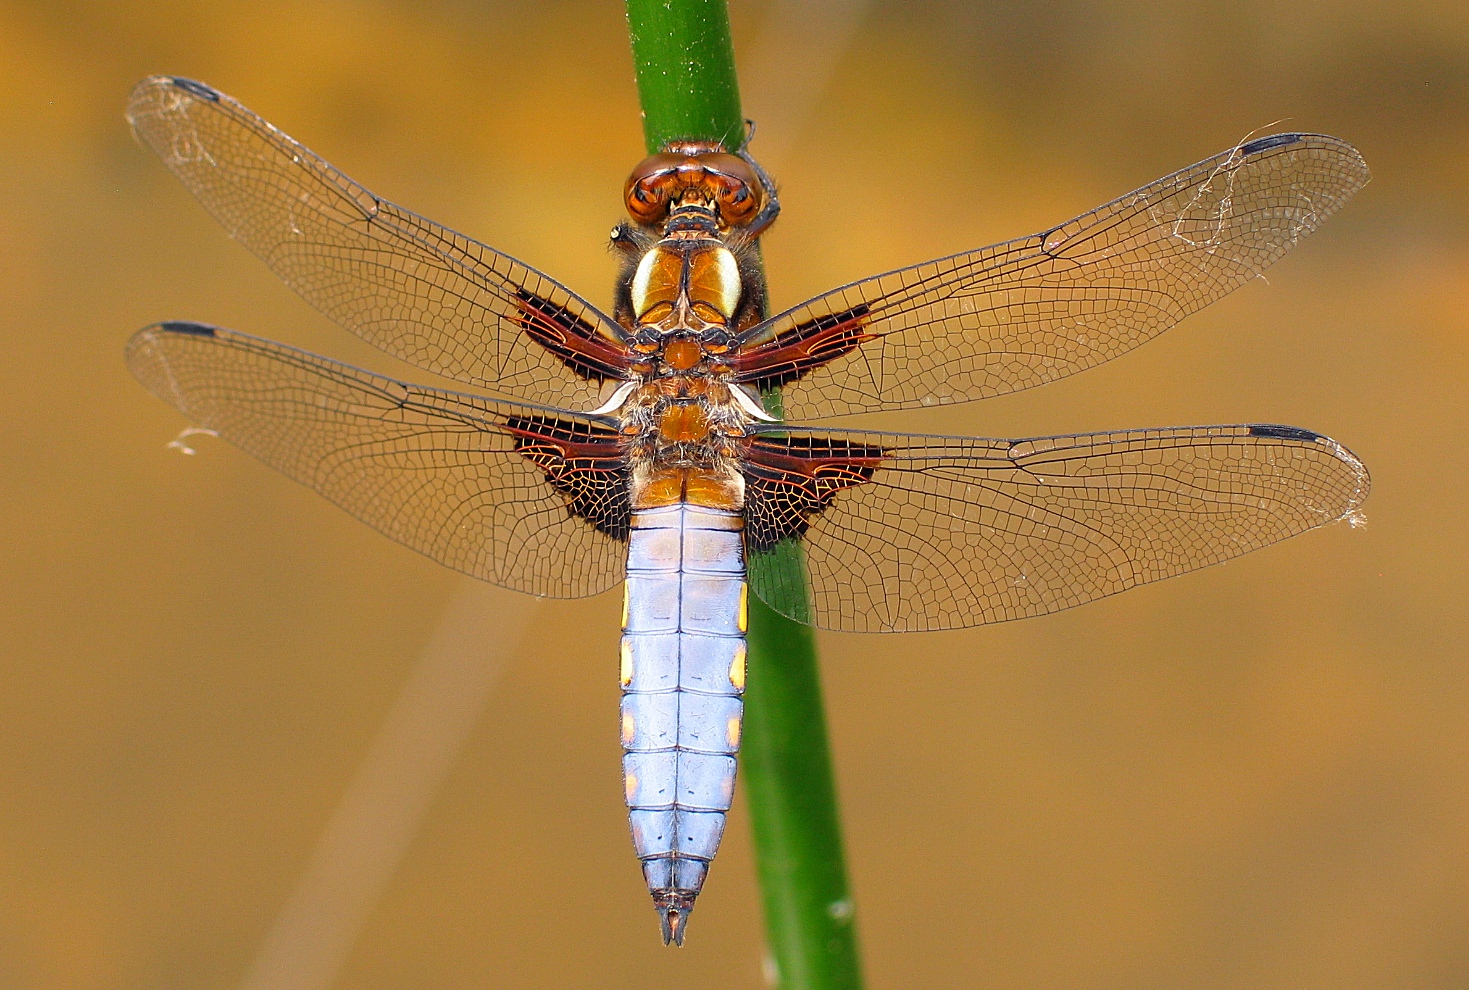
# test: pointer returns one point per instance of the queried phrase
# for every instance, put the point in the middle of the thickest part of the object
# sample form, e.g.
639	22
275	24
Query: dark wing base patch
584	463
573	340
802	349
790	479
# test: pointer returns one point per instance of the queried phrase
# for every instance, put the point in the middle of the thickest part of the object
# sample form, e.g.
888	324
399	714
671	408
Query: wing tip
159	96
187	327
1359	173
142	352
1361	479
194	88
178	328
147	358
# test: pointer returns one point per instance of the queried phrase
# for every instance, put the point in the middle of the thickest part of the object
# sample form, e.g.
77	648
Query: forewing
419	291
1029	311
524	497
903	533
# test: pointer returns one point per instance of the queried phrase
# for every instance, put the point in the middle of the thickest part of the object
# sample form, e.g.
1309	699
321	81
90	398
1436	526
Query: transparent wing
527	498
419	291
1029	311
902	532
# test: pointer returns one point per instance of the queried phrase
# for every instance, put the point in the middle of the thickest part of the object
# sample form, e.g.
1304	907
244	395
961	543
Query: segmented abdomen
683	670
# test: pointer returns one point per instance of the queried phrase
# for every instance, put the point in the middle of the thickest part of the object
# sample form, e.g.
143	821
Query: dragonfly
662	446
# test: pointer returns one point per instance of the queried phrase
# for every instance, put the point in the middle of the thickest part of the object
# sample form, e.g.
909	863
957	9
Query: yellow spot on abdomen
732	732
630	786
629	729
626	659
626	602
744	618
737	669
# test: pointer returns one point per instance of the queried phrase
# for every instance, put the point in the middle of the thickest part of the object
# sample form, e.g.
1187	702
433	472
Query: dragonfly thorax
682	433
683	295
685	284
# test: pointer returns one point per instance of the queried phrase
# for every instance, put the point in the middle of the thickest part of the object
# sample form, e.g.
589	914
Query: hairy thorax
682	431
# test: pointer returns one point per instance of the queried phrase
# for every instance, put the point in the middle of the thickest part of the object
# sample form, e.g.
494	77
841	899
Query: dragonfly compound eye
696	173
733	185
651	185
647	201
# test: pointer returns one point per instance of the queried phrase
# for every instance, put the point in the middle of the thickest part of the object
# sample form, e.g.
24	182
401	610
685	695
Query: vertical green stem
685	67
793	809
688	88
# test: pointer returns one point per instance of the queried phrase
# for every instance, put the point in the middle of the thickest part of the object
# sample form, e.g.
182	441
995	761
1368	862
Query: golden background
1251	777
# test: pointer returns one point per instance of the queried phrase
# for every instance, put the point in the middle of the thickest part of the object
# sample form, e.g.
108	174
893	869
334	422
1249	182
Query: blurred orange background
1251	777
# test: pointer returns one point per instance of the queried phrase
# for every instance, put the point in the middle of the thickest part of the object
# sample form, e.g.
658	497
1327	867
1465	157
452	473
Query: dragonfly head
690	178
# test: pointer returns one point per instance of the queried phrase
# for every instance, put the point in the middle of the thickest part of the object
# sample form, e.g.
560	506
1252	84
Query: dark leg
766	216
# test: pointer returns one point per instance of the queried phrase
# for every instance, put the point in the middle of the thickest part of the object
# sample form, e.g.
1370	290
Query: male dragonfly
640	446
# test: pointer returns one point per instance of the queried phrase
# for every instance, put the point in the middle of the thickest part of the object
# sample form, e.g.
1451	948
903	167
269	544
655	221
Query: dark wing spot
1266	143
192	329
197	88
1284	433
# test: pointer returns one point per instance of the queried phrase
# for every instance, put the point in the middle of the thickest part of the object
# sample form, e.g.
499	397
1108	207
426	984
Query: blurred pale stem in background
377	817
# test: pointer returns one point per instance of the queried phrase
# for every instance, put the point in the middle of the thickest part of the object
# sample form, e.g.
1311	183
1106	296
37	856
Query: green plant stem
688	89
685	67
793	810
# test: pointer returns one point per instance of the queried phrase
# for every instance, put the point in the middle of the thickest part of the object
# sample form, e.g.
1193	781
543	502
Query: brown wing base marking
802	349
585	463
575	341
790	479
